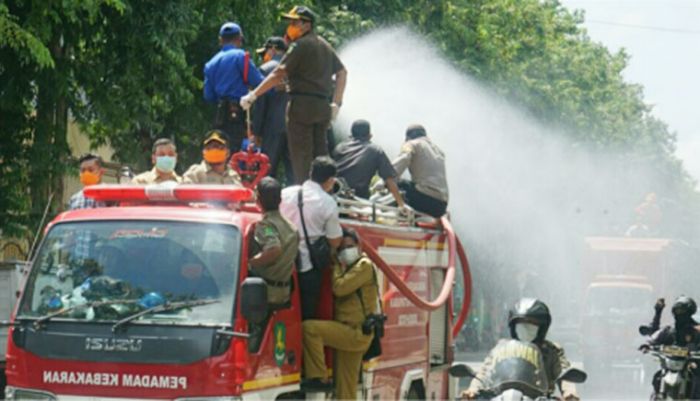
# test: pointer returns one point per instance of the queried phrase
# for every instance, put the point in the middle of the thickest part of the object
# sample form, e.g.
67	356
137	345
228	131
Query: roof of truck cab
203	214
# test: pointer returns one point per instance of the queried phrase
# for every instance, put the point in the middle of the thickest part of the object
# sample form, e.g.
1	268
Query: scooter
675	379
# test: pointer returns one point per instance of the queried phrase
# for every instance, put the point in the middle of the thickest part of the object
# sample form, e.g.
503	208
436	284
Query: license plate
675	351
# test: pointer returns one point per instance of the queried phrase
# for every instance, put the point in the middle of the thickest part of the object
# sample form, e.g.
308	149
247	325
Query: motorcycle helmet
530	310
684	308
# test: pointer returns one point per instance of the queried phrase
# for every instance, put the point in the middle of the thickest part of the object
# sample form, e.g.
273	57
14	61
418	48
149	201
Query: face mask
214	156
89	178
294	32
166	164
526	332
348	256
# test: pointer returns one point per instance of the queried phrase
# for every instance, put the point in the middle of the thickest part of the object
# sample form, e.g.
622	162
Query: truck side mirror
254	299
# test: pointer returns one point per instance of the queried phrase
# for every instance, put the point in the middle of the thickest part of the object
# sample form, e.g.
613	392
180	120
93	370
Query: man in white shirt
321	219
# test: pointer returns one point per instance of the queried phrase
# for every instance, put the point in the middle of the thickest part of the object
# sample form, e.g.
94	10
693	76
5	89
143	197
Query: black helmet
530	310
684	306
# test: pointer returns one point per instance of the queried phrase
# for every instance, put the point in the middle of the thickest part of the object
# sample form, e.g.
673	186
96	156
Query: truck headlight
14	393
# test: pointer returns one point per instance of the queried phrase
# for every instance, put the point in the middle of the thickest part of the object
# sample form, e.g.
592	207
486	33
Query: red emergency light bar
166	193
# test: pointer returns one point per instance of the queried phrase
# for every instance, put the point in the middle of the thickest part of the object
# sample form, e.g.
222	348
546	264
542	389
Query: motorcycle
517	374
675	379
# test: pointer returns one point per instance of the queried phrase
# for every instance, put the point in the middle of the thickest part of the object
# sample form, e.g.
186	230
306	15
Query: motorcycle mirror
645	330
573	375
461	370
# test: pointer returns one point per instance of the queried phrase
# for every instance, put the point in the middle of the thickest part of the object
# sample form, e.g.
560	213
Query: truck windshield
106	271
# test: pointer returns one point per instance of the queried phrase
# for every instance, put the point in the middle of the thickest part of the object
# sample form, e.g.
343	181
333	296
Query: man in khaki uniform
214	169
309	66
353	278
273	253
427	191
164	159
278	241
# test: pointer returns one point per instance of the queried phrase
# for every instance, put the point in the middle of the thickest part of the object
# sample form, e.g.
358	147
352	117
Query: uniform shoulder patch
269	231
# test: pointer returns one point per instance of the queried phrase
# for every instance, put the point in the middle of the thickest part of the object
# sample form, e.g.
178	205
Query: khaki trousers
308	119
350	345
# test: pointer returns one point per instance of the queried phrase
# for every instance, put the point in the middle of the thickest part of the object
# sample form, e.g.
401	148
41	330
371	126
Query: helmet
684	306
530	310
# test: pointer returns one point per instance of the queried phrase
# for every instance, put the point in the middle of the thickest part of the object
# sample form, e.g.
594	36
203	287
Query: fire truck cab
151	300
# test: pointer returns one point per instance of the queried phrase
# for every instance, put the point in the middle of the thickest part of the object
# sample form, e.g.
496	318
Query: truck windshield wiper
169	306
38	322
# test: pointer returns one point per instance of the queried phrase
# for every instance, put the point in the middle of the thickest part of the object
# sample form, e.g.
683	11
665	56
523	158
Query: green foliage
27	47
131	71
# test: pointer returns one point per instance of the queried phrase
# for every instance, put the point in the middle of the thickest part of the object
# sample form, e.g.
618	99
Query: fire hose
397	281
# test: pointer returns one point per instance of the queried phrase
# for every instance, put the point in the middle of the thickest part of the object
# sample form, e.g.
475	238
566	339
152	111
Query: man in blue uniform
227	77
269	112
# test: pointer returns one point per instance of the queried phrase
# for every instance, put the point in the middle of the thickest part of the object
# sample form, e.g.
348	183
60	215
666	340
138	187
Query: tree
131	71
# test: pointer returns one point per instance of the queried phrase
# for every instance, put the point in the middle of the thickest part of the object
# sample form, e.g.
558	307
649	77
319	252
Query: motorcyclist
529	320
685	332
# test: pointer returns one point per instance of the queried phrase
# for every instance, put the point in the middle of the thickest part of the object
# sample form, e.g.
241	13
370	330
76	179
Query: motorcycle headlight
14	393
675	364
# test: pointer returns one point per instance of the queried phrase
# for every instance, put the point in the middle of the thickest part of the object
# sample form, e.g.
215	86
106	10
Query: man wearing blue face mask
164	159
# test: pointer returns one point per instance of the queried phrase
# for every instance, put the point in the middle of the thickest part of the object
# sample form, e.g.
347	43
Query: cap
216	135
230	29
300	12
273	41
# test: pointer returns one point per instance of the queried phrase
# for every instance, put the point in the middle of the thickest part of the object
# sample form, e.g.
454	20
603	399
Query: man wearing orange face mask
269	112
91	172
214	169
309	67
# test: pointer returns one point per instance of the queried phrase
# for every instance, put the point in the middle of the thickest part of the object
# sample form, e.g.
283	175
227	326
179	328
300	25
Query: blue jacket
223	75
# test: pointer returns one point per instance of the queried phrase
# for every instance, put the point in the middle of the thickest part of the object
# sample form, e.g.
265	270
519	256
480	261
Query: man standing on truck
309	66
91	171
355	292
427	190
321	219
164	159
269	112
227	77
214	169
359	160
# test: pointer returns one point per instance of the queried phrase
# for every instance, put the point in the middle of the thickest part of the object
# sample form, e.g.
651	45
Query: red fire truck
147	300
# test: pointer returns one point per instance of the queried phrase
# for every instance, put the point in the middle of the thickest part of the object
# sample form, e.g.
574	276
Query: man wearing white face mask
356	294
164	159
529	321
